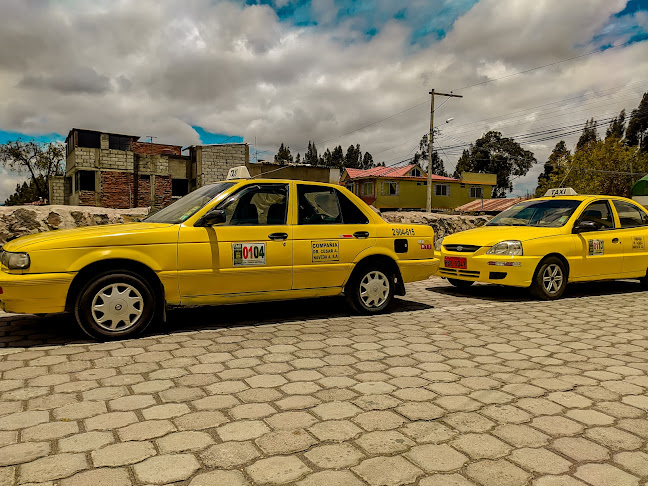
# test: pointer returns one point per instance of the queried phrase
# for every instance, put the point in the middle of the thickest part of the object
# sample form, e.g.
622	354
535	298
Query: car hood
94	236
490	235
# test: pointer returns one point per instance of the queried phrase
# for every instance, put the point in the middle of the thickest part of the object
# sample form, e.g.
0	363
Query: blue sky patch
209	137
623	25
9	136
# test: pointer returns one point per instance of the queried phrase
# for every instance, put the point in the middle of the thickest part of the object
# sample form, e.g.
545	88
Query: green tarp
641	187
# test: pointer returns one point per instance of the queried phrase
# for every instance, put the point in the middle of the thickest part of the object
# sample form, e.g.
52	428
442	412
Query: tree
25	193
39	160
637	131
617	126
337	157
353	158
421	158
310	157
559	157
298	158
325	159
283	155
494	154
588	136
367	161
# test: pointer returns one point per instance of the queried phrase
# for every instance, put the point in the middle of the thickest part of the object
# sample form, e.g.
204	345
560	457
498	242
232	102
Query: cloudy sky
330	71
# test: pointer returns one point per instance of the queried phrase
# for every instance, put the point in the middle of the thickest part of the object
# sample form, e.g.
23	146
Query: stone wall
214	161
443	224
18	221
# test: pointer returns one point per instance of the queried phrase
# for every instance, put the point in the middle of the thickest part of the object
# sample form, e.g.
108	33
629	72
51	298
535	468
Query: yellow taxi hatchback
546	242
235	241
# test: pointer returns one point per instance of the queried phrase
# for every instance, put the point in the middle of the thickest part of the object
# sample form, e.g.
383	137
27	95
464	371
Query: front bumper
415	270
503	270
39	293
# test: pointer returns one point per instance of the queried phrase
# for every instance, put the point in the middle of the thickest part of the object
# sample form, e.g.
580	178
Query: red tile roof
391	172
490	205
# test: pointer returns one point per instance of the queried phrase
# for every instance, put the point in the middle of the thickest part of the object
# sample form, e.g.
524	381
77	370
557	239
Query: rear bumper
502	270
34	293
415	270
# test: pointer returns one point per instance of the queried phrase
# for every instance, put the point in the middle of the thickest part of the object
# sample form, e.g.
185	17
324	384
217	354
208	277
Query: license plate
456	262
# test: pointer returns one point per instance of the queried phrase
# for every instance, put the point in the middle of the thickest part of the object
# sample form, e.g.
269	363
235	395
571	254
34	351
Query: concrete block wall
56	190
214	161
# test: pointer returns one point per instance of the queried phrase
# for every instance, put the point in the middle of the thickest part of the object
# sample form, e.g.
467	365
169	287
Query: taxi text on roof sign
240	172
561	191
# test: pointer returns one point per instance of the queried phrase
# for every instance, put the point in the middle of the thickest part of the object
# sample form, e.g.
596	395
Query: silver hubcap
117	307
374	289
552	278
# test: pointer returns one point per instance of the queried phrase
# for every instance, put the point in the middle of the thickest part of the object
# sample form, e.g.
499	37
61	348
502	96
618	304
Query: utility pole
428	205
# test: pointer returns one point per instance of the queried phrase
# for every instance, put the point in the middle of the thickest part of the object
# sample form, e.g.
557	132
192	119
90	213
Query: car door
330	233
633	233
600	249
250	252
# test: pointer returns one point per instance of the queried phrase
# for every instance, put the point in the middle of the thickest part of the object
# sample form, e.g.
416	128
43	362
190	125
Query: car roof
582	197
284	181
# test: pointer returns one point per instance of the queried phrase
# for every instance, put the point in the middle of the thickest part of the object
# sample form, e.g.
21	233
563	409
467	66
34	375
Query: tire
133	293
370	289
550	279
461	284
643	281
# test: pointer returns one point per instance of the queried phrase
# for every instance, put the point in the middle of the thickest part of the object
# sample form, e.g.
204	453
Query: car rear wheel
461	284
116	306
644	282
370	289
550	279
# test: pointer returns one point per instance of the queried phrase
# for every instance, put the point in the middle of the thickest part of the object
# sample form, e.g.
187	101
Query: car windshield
184	208
546	213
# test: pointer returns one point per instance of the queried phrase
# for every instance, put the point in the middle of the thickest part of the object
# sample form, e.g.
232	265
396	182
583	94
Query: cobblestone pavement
451	388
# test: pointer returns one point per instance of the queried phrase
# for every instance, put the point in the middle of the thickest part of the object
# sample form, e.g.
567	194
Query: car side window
630	216
317	205
600	213
257	205
351	214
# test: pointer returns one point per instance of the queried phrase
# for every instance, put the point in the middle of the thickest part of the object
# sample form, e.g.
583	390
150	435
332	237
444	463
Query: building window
390	188
88	139
119	142
84	180
421	183
179	187
441	190
476	192
416	172
367	188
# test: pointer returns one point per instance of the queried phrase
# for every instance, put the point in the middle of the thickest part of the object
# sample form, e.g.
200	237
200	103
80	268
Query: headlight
14	261
438	243
510	247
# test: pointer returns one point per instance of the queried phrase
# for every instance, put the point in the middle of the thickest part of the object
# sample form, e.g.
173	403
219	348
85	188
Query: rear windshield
548	213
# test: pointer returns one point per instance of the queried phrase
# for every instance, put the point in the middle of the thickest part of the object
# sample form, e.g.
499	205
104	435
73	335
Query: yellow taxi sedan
236	241
546	242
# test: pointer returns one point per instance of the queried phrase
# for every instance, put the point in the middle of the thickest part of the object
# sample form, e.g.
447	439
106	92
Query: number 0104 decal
247	254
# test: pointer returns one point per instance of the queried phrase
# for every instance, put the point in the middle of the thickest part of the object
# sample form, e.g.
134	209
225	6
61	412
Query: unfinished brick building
119	171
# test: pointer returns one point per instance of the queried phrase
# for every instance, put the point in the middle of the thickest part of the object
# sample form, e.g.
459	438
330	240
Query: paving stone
384	442
521	435
605	475
335	430
148	429
590	417
122	454
53	467
468	422
166	468
217	478
99	477
613	438
420	411
497	473
184	442
436	458
579	449
243	430
635	462
300	402
336	410
161	412
285	441
334	456
291	420
539	461
428	432
87	441
229	454
558	481
277	470
216	402
557	426
200	420
387	471
131	402
251	411
379	420
23	452
49	431
22	420
328	478
480	446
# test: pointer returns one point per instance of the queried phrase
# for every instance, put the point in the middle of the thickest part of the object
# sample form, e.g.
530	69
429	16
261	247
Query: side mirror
585	226
215	216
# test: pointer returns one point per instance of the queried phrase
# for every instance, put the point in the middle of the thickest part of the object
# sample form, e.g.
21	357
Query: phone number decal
403	231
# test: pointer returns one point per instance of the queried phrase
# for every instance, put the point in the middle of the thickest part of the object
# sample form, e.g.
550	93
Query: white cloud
156	68
8	182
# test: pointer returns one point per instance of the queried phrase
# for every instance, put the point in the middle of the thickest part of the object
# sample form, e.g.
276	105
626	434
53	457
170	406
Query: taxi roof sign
561	191
240	172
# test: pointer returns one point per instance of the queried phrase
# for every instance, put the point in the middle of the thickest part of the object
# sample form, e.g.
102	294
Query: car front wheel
550	279
370	289
116	306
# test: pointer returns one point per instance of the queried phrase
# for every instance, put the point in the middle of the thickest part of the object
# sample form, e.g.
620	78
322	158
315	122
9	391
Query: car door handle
615	240
278	236
361	234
